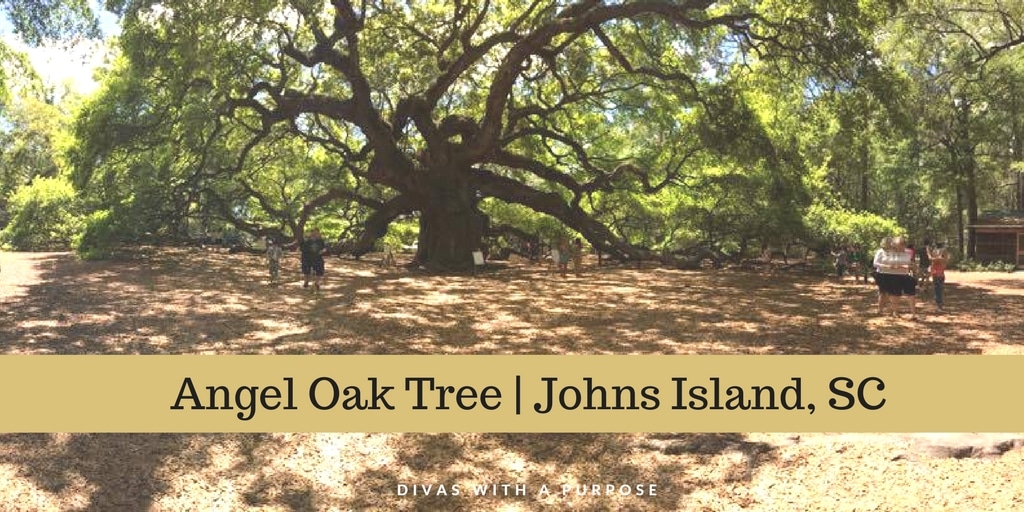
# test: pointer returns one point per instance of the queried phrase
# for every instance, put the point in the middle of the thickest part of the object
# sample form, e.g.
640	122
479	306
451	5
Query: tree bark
960	218
1016	201
1020	191
972	207
967	167
451	224
376	225
865	180
1017	158
599	236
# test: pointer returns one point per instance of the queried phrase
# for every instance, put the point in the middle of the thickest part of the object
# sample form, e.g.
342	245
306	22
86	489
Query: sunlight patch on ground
999	349
559	310
349	272
1006	291
622	290
208	481
35	324
412	318
222	458
512	462
740	325
13	270
292	300
30	350
692	309
96	318
277	331
159	340
500	322
277	326
269	475
75	491
978	335
571	332
349	452
368	292
439	298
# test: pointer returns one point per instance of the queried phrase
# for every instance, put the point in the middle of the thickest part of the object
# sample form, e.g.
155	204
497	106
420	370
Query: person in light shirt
895	278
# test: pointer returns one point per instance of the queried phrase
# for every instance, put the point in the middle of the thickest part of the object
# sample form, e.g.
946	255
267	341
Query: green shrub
400	234
831	226
45	214
99	237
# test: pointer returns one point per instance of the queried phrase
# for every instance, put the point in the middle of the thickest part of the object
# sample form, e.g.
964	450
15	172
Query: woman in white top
895	274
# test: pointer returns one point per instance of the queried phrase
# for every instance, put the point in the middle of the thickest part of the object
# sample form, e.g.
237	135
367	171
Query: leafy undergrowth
173	301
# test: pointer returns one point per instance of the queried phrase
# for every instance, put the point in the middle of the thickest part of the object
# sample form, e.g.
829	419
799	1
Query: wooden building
1000	237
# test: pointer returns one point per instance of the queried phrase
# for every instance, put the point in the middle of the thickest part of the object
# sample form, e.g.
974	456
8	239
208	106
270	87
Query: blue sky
63	65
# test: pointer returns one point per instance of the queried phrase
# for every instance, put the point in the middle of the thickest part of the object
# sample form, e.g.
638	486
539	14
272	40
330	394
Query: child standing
312	250
563	257
858	266
274	254
938	257
577	257
842	260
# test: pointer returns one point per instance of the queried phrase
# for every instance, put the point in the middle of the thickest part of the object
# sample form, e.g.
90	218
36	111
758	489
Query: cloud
67	65
63	66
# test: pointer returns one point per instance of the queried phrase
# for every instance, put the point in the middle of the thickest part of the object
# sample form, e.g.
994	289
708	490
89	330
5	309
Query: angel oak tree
441	105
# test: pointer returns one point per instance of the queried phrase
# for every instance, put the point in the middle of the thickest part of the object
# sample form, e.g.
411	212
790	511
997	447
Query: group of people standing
570	252
895	270
853	260
312	249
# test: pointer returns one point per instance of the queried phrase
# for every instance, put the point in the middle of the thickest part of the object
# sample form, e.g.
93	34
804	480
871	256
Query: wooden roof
1002	220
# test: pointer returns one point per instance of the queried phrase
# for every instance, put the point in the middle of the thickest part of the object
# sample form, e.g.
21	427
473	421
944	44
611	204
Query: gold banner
193	393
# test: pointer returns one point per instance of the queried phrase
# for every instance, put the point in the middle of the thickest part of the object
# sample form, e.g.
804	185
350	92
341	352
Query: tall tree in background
29	126
964	59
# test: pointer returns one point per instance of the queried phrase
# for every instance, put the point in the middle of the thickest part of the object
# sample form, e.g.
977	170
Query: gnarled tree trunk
451	224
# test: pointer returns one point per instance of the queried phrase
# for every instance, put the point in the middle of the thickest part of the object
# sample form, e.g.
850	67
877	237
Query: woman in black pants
894	275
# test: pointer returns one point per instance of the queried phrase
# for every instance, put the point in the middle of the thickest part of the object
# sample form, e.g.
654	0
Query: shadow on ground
177	301
306	472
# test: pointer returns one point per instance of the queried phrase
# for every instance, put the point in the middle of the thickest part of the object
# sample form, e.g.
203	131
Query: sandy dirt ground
191	301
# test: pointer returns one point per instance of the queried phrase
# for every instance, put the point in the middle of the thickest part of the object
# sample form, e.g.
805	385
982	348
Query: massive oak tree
433	107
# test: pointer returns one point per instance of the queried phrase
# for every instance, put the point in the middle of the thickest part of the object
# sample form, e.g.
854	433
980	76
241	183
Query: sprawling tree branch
599	236
376	225
682	14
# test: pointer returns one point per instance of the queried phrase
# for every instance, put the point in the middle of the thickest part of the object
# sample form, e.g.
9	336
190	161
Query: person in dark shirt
312	250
